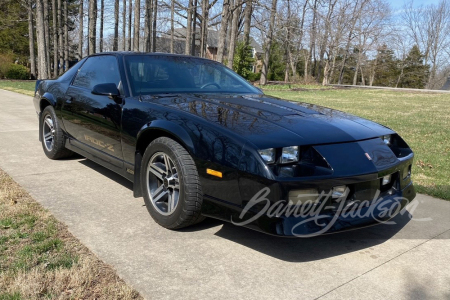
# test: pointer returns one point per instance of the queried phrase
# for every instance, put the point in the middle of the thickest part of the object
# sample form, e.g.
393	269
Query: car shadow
282	248
108	173
306	249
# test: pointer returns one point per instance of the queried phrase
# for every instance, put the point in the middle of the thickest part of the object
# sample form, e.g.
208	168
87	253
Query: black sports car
198	140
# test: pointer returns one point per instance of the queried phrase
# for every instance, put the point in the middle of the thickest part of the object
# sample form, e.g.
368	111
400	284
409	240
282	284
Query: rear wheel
170	184
52	136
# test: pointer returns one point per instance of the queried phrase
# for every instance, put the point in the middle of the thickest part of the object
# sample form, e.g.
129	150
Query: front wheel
170	184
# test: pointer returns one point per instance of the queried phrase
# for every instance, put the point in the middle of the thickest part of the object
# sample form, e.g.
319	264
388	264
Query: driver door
93	122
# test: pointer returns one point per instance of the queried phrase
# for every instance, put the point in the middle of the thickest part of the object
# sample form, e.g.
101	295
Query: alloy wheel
48	133
163	184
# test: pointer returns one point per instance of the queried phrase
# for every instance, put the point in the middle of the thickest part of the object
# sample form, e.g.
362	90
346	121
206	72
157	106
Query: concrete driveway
217	260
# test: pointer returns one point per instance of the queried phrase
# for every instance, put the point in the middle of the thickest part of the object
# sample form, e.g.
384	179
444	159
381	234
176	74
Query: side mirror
106	89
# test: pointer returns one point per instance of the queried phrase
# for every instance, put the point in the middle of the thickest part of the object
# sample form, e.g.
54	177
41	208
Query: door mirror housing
106	89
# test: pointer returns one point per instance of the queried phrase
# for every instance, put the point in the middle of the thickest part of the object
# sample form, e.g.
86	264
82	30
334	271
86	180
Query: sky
398	4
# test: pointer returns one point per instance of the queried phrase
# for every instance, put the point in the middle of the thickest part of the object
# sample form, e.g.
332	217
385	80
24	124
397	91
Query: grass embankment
19	86
422	119
40	259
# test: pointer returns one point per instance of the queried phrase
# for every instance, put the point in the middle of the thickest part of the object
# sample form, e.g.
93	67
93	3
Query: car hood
271	122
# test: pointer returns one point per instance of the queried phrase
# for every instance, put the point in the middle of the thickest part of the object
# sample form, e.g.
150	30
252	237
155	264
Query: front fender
171	129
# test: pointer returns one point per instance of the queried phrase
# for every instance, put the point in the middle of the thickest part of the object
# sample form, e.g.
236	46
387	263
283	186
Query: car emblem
368	156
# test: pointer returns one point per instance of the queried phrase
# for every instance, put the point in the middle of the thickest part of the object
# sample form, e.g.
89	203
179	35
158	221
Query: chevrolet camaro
197	140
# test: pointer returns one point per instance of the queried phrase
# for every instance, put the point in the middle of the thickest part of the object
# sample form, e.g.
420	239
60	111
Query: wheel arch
46	100
148	133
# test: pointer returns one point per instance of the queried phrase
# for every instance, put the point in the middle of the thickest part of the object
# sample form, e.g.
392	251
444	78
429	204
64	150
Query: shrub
253	76
5	61
17	72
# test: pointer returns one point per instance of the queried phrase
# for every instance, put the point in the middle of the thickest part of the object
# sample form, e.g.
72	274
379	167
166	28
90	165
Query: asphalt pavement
217	260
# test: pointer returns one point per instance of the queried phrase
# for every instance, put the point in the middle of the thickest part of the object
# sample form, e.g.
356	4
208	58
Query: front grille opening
390	185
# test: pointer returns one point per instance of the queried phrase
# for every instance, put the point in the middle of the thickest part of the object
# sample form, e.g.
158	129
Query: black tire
57	148
190	197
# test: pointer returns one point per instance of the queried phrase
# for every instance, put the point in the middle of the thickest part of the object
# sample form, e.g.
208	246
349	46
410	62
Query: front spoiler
377	211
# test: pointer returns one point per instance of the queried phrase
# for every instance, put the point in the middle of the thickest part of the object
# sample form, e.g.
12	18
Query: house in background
212	43
446	86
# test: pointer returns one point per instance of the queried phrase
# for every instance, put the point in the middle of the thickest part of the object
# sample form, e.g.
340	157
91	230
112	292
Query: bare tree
60	38
268	43
92	26
204	27
223	30
124	24
137	25
80	30
172	25
194	27
42	55
66	35
102	12
155	17
357	9
31	39
130	12
116	25
247	20
234	32
187	49
47	36
148	25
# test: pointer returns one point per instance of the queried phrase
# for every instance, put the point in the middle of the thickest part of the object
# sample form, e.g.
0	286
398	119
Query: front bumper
368	204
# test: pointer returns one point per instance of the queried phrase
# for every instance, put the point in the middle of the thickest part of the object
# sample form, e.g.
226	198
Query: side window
98	70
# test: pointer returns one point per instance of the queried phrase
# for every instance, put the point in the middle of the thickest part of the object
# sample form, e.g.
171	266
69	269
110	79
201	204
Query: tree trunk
124	25
204	28
312	43
42	51
137	25
288	47
247	21
130	13
55	38
187	49
92	26
47	37
223	30
268	44
230	21
349	40
102	13
60	37
155	18
194	27
116	26
234	32
80	31
363	80
66	36
358	64
31	40
148	25
172	26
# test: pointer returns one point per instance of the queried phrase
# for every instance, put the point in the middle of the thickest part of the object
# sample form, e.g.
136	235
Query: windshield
156	74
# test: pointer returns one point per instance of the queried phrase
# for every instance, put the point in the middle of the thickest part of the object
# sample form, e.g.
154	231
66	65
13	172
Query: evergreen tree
415	72
243	60
386	70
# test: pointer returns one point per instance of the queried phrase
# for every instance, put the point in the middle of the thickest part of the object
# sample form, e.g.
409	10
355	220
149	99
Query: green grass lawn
23	87
422	119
